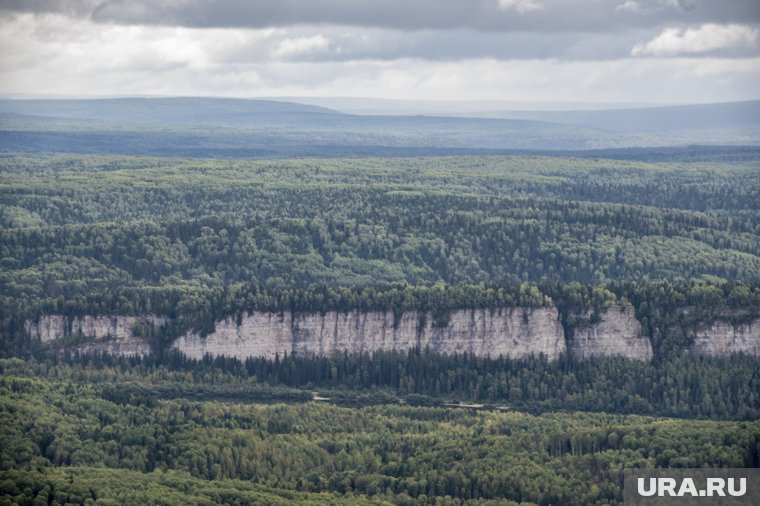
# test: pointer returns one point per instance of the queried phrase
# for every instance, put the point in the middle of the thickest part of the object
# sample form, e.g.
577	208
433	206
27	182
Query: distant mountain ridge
180	110
615	117
657	119
227	127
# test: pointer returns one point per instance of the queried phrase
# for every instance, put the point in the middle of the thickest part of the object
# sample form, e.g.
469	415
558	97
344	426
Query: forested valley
111	433
199	239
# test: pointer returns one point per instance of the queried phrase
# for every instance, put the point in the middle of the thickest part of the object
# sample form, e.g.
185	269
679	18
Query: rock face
513	332
125	347
617	332
509	332
258	335
101	334
722	338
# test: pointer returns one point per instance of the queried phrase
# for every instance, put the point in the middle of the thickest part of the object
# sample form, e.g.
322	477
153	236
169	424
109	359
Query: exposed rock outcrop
98	334
616	331
723	338
125	347
259	334
510	332
513	332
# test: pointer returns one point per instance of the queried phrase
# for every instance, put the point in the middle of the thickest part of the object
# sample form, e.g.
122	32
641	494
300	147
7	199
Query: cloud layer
703	39
496	15
537	50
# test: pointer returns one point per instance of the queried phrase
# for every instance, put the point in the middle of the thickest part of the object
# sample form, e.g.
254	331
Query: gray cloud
76	8
534	50
706	39
640	6
328	43
480	15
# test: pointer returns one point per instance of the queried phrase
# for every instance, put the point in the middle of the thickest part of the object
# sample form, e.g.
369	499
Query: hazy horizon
390	106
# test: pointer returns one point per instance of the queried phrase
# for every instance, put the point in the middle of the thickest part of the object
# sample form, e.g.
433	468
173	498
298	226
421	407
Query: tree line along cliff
202	241
577	320
103	235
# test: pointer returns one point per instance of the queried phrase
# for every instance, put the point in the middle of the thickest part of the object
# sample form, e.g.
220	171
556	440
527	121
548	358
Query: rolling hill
265	128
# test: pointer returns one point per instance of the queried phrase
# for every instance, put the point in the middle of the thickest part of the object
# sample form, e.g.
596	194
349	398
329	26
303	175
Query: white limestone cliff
260	334
616	333
112	334
722	338
514	332
509	332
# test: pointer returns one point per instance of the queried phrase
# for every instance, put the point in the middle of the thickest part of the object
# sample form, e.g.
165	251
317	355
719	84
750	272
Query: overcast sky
653	51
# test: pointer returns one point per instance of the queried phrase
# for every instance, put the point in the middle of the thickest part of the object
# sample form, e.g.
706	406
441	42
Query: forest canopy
201	239
121	229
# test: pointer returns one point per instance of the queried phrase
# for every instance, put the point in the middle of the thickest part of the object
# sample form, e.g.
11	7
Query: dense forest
201	239
121	229
717	388
72	433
